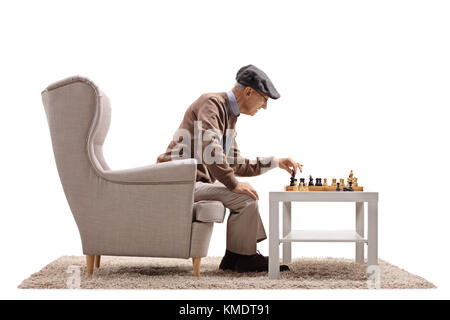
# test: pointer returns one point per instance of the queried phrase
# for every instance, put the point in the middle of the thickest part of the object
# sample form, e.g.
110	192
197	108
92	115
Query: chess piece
302	187
293	185
293	180
350	177
350	187
305	188
333	182
342	182
303	180
325	184
311	181
318	182
355	182
338	187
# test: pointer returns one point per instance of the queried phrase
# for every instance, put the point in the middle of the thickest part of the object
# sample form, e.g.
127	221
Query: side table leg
359	254
287	227
373	271
274	240
373	233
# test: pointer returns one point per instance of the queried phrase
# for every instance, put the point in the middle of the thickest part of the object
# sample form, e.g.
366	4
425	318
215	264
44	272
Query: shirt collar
233	102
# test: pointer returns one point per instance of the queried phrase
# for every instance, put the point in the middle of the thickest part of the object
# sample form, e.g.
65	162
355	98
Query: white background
364	85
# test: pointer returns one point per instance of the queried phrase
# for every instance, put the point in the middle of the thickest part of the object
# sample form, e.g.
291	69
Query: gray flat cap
255	78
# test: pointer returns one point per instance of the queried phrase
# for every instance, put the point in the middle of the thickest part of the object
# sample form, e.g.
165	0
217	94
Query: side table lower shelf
323	236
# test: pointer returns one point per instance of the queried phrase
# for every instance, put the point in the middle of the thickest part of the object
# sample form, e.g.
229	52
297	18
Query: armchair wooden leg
90	264
97	261
196	262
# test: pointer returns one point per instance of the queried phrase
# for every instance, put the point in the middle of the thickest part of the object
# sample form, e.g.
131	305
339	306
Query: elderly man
207	134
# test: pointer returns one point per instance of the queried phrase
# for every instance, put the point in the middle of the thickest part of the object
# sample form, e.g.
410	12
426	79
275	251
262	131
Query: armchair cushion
209	211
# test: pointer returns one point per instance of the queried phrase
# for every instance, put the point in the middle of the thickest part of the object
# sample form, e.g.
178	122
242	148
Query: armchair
146	211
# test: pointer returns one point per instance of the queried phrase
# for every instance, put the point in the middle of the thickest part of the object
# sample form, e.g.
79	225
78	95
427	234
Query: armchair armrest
145	211
177	171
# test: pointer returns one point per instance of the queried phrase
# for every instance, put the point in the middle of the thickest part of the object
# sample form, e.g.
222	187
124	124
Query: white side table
289	235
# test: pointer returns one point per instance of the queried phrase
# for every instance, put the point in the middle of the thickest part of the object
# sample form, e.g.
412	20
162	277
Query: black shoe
229	260
255	263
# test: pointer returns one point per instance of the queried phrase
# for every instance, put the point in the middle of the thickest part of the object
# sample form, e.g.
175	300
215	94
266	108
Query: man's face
253	101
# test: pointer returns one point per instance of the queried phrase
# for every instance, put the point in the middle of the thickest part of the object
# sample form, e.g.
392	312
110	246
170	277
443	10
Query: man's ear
247	91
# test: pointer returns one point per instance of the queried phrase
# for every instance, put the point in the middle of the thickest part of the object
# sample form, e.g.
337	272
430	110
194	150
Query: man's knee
249	204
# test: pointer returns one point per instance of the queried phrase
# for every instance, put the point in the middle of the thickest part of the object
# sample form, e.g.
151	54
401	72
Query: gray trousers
244	225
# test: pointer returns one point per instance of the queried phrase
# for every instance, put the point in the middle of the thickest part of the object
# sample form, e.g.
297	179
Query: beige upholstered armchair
147	211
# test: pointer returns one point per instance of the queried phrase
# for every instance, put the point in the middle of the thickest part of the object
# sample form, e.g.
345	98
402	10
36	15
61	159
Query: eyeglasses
265	98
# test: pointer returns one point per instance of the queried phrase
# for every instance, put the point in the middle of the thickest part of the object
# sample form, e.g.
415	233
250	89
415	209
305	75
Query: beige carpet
156	273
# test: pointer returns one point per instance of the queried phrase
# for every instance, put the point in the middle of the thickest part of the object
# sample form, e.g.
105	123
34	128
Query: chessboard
319	185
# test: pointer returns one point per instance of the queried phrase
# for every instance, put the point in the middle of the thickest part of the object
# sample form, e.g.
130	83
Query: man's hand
246	188
288	164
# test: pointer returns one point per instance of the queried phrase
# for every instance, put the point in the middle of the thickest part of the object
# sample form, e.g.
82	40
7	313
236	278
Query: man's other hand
246	188
288	164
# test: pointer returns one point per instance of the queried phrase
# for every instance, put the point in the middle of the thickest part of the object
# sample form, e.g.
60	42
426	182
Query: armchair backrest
79	116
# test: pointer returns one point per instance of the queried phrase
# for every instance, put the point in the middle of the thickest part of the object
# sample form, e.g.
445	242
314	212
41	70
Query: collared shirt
233	102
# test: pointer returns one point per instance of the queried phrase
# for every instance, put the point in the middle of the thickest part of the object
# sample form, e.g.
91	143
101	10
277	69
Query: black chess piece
350	188
318	181
338	187
293	180
311	181
303	180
